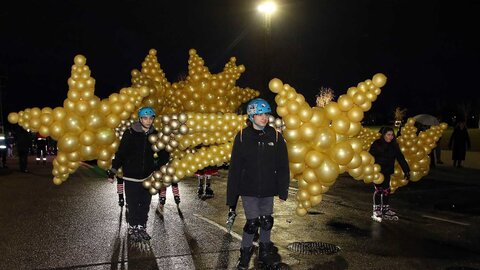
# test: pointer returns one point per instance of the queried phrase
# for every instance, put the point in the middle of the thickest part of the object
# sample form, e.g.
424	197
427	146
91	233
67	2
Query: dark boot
176	199
244	260
268	256
208	192
121	200
200	191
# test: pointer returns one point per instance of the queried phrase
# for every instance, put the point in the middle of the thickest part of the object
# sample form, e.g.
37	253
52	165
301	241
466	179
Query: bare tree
324	96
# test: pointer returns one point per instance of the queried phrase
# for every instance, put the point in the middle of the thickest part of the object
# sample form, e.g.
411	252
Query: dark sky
427	49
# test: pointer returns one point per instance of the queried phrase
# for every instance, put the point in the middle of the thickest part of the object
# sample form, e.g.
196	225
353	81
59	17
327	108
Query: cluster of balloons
200	91
197	123
322	142
416	149
88	128
85	126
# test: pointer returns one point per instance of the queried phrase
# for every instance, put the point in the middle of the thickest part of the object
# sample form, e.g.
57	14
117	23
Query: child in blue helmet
136	158
258	172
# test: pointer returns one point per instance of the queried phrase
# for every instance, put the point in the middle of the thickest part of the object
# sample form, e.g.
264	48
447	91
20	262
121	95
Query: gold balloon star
88	128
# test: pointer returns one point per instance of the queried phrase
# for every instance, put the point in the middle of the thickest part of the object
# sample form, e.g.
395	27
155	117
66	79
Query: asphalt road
79	225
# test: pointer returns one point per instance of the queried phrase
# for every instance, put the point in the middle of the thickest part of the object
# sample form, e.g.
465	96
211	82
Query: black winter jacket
258	166
135	155
385	155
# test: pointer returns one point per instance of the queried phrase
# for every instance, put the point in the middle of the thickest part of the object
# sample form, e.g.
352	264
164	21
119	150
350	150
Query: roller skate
177	199
377	213
161	203
200	191
142	232
244	260
121	200
389	214
268	257
208	192
134	234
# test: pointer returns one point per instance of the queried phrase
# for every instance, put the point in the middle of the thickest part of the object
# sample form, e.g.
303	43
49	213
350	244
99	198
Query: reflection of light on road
446	220
234	234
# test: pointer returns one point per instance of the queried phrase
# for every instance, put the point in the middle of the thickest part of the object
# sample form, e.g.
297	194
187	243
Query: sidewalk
472	159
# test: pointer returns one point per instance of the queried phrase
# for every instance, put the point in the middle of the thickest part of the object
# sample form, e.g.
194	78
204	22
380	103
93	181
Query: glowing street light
267	9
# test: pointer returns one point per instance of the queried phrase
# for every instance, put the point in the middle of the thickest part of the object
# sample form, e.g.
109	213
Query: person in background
23	142
385	150
163	196
258	172
3	148
459	142
10	144
204	177
41	143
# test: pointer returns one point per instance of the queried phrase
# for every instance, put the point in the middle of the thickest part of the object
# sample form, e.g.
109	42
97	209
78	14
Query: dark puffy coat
385	155
135	155
258	166
459	143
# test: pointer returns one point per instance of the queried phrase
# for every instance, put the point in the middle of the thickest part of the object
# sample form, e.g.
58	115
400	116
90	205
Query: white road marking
446	220
234	234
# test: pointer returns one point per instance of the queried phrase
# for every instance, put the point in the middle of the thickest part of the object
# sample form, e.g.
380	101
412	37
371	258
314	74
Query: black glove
231	218
110	176
407	176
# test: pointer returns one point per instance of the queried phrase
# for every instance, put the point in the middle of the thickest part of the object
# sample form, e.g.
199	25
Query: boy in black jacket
258	172
136	158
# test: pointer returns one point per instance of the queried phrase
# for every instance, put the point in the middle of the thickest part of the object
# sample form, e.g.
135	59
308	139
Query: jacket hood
137	127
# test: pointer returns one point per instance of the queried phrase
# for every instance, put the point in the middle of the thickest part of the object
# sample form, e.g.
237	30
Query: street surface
79	225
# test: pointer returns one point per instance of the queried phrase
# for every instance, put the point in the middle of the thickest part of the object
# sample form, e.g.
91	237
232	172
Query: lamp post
267	9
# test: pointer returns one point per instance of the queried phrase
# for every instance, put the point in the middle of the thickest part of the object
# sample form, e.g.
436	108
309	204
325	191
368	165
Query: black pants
3	153
381	188
138	203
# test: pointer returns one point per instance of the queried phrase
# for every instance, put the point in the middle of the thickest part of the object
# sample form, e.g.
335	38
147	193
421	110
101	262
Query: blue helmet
145	112
258	106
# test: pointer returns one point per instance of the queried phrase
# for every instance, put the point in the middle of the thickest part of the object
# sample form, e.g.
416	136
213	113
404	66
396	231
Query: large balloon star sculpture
197	124
325	142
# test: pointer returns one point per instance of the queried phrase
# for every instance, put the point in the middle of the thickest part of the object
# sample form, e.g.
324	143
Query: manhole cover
313	248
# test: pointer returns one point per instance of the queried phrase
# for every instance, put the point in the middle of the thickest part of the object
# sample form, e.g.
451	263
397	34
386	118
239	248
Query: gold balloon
301	211
327	172
87	137
314	189
342	153
355	114
297	152
73	123
314	158
105	136
275	85
332	110
68	143
307	131
319	117
341	124
379	80
324	138
13	118
345	103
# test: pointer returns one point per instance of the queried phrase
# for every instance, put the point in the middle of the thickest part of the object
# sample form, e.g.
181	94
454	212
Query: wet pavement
79	225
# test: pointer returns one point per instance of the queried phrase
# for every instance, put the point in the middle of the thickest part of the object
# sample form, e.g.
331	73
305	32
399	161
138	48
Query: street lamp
267	9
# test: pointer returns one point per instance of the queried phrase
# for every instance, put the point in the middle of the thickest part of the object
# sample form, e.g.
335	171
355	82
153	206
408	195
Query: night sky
427	49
